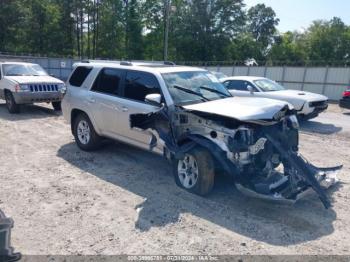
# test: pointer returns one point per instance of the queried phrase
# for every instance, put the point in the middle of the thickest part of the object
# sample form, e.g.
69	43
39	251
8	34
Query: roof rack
126	63
131	63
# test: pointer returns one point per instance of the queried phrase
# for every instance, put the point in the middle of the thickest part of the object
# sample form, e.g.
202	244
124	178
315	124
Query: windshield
23	70
194	87
268	85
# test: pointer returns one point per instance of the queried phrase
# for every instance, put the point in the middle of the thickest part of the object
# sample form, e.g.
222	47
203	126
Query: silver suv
188	116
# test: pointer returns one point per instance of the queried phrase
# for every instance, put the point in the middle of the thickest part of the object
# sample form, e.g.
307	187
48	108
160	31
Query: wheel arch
219	155
74	113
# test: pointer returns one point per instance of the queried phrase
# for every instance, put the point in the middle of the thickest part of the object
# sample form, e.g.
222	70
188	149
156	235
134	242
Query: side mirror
154	99
250	89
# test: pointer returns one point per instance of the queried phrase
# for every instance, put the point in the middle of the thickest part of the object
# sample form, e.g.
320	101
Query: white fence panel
241	71
294	74
257	71
275	73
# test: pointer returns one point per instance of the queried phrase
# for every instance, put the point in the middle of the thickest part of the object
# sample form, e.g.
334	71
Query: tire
84	133
203	183
11	105
57	106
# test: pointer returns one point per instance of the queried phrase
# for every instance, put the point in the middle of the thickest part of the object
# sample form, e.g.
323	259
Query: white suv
26	83
188	116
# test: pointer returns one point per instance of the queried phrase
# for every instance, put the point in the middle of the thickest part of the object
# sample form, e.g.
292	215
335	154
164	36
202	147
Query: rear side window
108	81
79	75
140	84
238	85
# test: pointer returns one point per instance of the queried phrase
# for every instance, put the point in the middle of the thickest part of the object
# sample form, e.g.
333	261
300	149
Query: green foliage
111	30
262	24
12	25
288	48
200	30
328	41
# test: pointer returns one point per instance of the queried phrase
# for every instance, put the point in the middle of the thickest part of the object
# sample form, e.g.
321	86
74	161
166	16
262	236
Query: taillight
346	93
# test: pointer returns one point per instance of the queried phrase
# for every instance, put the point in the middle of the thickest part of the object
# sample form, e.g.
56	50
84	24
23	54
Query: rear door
105	101
136	87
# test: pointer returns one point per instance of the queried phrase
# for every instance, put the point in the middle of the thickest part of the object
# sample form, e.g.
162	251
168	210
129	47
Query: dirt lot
121	200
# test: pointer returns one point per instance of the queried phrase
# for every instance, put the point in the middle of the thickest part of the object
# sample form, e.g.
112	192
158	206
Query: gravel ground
121	200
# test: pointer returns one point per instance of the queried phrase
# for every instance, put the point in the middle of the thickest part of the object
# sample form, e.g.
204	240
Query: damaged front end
261	155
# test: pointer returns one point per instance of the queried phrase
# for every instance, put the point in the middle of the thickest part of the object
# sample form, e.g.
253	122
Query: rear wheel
195	172
85	135
11	105
56	106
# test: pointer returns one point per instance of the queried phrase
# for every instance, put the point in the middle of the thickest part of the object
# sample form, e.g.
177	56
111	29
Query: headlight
293	122
25	87
22	88
62	88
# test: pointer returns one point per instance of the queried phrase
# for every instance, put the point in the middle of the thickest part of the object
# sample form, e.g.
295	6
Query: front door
137	86
239	87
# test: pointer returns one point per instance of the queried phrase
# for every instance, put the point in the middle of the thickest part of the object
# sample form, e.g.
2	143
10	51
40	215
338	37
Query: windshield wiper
214	91
190	92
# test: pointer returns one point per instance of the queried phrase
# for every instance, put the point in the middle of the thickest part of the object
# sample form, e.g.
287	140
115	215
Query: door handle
125	109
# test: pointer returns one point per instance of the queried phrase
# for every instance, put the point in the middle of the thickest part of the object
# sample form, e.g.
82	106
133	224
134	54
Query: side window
239	85
227	84
79	75
108	81
140	84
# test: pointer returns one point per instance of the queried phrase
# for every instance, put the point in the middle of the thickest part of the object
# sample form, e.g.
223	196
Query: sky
298	14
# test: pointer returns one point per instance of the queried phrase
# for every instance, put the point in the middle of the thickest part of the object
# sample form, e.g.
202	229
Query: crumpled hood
242	108
34	79
295	97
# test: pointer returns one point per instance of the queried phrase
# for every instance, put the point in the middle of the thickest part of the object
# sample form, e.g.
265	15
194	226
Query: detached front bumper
326	178
37	97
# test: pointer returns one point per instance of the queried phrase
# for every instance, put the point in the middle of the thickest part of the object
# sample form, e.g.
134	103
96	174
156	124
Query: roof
150	67
246	78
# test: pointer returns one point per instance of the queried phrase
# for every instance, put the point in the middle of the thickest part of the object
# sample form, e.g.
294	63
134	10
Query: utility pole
166	27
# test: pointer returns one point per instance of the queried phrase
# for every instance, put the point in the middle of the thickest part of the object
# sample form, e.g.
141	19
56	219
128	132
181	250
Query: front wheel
57	106
195	172
84	133
11	105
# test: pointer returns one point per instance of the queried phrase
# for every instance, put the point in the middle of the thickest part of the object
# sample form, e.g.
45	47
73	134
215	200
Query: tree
109	31
66	25
289	48
202	29
12	25
244	47
328	41
42	20
262	24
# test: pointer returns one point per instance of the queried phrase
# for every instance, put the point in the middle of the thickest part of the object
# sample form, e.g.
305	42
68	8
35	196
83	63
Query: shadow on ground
27	112
314	126
149	176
